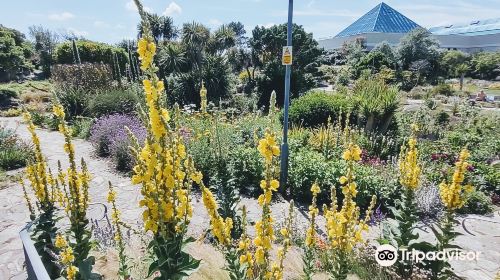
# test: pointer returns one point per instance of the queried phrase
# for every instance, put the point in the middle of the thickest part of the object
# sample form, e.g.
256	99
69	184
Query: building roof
473	28
381	19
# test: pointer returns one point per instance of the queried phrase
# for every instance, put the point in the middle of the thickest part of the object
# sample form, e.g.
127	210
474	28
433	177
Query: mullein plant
123	269
66	257
311	235
453	195
46	191
402	235
74	198
344	226
251	259
165	172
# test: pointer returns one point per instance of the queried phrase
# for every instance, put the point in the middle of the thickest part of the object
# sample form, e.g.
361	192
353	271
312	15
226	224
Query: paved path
14	212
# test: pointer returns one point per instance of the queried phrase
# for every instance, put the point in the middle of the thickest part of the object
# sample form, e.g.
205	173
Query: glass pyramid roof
381	19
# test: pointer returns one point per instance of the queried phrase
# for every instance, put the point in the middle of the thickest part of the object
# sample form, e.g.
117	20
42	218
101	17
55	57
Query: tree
162	27
486	65
172	58
377	102
457	64
222	39
418	46
239	30
195	38
15	53
45	43
266	48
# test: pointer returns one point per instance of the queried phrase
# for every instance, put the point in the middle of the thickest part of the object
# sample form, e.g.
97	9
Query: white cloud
172	9
267	25
130	6
62	16
214	22
101	24
76	32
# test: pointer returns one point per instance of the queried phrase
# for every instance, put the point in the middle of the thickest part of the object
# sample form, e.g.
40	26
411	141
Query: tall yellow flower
409	168
221	228
344	226
313	212
454	195
38	173
66	257
163	168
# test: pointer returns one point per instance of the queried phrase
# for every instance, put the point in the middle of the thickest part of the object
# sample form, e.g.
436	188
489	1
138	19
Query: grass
28	87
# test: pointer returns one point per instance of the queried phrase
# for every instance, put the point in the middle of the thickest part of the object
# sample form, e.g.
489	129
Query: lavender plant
110	138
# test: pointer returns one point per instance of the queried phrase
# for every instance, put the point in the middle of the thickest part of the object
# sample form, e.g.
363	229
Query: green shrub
487	177
113	101
477	203
313	109
443	89
12	157
13	152
74	102
246	169
6	93
86	77
91	52
307	166
81	127
12	112
443	118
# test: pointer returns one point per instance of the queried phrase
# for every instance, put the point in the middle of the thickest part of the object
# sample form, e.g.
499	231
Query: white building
384	23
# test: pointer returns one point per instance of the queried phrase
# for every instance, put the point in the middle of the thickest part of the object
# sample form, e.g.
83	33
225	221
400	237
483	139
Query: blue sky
112	20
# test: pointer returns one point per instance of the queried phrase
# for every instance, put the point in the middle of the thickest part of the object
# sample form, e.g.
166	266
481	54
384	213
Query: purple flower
377	216
110	138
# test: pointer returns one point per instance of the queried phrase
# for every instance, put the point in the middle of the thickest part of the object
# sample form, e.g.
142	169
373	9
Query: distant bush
307	167
443	89
12	112
313	109
6	96
478	203
86	76
110	138
81	127
495	86
443	118
74	101
246	169
7	93
91	52
114	101
13	152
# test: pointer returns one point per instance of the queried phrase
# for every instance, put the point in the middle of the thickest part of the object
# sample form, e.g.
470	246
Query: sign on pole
287	56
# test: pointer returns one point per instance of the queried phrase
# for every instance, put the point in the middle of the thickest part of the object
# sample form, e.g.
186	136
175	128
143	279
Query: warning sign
287	56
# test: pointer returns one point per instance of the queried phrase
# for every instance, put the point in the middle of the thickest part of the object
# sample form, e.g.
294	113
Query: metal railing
34	265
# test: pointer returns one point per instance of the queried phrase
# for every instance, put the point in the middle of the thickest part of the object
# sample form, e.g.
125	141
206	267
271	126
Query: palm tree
162	27
461	70
172	58
195	38
222	39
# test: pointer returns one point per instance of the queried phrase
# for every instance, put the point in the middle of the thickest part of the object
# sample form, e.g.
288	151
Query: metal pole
284	144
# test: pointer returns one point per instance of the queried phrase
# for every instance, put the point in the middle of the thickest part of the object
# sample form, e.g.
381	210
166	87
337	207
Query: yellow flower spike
60	242
454	195
343	225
